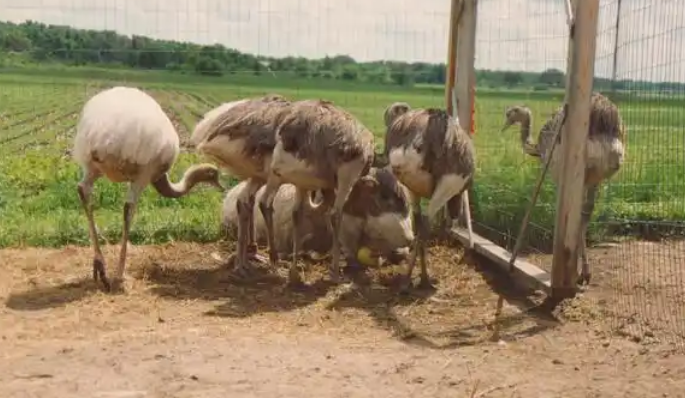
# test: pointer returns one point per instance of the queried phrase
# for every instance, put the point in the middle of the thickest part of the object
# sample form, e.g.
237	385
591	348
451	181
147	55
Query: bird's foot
99	274
583	279
119	284
242	270
273	259
253	255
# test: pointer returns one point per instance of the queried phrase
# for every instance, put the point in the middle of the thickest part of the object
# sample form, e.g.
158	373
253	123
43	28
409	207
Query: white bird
124	135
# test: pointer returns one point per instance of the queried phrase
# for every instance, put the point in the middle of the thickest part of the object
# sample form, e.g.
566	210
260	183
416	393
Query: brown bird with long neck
603	157
434	158
124	135
319	146
240	137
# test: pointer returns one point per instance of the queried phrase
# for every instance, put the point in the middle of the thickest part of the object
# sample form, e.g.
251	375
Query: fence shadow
437	323
529	308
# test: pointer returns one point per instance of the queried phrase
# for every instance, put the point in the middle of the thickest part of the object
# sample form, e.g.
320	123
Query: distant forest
33	42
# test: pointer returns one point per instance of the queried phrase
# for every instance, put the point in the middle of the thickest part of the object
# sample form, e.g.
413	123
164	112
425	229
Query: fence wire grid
69	51
635	235
639	64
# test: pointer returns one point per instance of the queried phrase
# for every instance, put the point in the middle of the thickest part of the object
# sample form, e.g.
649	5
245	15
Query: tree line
35	42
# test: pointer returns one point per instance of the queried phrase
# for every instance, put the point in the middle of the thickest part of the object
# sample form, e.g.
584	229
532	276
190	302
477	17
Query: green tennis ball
366	257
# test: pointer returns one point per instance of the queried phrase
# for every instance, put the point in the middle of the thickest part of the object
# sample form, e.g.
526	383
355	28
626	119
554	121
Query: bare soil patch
186	328
639	287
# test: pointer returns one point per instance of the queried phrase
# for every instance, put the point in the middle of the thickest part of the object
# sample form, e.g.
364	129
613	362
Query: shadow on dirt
459	313
528	320
261	291
42	298
422	318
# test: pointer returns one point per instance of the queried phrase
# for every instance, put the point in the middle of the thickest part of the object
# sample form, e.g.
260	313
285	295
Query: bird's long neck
525	132
169	189
526	141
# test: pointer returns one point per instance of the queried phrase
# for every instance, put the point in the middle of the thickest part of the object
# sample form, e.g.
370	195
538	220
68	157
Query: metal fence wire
534	53
640	65
635	237
636	247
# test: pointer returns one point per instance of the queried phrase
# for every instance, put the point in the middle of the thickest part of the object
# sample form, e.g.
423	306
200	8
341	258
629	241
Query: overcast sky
512	34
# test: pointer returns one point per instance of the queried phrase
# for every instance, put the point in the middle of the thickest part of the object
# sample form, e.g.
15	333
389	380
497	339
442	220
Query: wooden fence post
570	190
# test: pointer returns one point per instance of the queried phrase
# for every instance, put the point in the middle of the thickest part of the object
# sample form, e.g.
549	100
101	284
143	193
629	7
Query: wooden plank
528	274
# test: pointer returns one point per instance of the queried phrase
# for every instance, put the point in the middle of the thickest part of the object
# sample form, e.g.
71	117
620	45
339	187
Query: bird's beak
506	126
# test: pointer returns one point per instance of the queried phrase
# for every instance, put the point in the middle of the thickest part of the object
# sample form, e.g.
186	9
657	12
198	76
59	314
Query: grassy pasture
39	205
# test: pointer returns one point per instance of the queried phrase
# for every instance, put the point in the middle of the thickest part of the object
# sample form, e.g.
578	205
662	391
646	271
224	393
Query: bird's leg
134	192
240	259
266	206
449	189
334	222
85	189
450	213
466	213
424	282
348	175
586	215
252	252
245	208
350	242
418	232
294	278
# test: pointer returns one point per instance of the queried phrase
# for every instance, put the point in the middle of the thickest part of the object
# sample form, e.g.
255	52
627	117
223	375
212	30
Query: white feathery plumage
127	123
124	134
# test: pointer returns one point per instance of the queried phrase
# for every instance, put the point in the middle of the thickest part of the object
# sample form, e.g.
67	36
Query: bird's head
516	114
395	110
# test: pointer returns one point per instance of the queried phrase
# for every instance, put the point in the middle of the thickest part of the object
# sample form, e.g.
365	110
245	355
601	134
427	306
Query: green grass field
39	205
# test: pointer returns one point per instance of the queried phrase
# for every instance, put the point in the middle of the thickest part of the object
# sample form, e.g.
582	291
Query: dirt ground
641	289
185	328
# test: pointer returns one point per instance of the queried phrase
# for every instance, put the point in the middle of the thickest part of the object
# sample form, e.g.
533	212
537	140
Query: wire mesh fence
50	70
639	65
529	40
55	55
635	254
